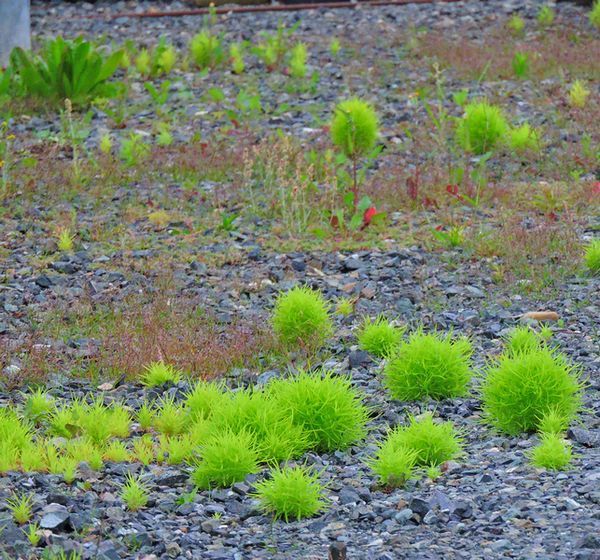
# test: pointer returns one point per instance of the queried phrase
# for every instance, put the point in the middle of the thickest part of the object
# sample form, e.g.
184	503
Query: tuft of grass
433	442
225	458
134	493
292	493
143	450
146	416
206	50
33	534
393	465
297	62
301	318
169	418
64	240
379	337
523	339
429	365
545	16
552	453
520	64
592	256
594	16
159	373
177	450
578	94
516	25
354	127
117	452
481	127
552	422
38	405
33	457
523	138
517	390
83	449
202	400
325	405
20	508
344	307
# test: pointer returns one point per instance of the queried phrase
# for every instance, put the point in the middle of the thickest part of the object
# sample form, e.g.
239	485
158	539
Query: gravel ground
489	504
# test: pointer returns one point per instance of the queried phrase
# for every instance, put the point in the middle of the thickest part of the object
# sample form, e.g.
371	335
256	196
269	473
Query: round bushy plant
379	337
552	422
429	365
592	253
392	464
433	442
159	373
226	457
301	318
354	127
325	405
595	14
519	389
523	339
481	127
552	453
292	493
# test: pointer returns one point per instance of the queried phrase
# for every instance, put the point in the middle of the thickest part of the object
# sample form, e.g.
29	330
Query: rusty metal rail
260	8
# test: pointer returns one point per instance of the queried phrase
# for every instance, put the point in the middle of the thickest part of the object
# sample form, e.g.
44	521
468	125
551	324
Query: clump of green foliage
429	365
553	453
578	94
516	25
301	318
393	465
524	339
157	61
38	405
21	508
552	422
354	130
518	389
159	373
523	138
594	16
292	493
297	61
326	406
481	128
379	337
169	418
592	256
134	493
206	50
236	54
65	69
225	458
520	64
545	16
433	442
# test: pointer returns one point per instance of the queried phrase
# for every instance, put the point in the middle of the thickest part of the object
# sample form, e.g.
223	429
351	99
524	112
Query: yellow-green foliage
236	53
595	14
379	337
553	453
354	127
393	465
298	57
578	94
592	256
301	318
523	138
516	25
159	373
134	493
292	493
481	128
206	50
518	389
545	16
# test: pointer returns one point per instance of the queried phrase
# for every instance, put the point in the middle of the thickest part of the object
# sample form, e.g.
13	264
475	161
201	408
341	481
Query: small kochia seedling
325	405
592	256
301	318
523	339
393	465
545	16
297	63
595	14
134	493
578	94
516	25
159	373
64	240
379	337
517	390
354	129
481	128
38	405
552	422
433	442
225	458
292	493
552	453
20	507
523	138
429	365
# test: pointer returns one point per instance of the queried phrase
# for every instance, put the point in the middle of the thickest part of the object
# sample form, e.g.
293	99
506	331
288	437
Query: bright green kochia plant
206	50
429	365
236	53
517	390
516	25
552	422
379	337
66	69
545	16
393	464
481	127
301	317
297	62
520	64
292	493
433	442
134	493
38	405
225	458
592	256
553	453
578	94
159	373
524	339
595	14
523	138
20	507
354	130
326	406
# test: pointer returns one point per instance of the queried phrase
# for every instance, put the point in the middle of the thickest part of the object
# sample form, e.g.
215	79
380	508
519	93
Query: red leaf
368	215
335	223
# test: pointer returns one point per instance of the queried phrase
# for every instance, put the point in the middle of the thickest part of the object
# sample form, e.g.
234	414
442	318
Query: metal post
14	27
